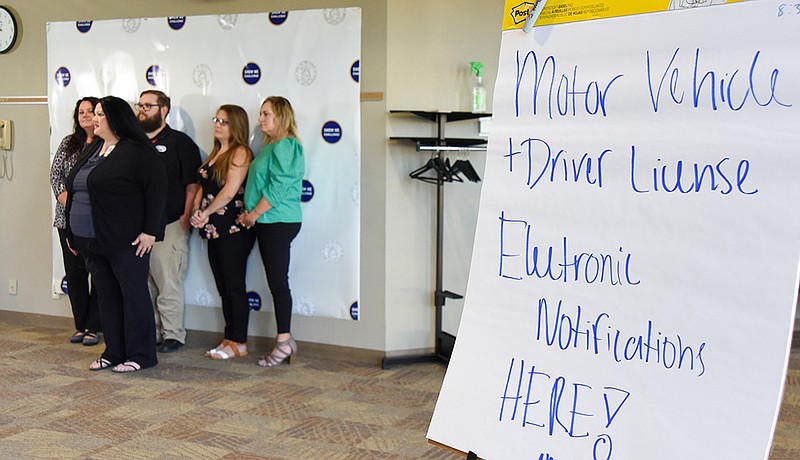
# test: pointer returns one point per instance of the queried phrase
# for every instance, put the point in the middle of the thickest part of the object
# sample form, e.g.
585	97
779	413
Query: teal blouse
277	174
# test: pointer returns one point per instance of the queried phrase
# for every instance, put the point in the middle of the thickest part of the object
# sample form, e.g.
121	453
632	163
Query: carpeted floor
190	407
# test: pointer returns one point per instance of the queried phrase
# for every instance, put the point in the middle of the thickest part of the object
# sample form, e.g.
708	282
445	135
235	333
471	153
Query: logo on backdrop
83	26
131	25
305	73
154	76
227	21
202	296
332	252
355	71
331	132
201	75
254	301
64	287
354	311
176	22
334	16
63	77
278	17
308	191
251	73
304	307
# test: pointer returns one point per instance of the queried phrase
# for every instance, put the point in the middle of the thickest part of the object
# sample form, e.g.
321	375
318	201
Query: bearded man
169	258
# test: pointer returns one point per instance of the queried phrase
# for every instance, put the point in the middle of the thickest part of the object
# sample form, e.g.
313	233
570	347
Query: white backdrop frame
311	57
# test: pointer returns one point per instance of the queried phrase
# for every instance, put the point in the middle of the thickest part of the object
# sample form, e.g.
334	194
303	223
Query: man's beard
151	124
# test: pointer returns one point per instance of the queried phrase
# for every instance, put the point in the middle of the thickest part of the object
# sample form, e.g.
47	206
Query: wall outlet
12	287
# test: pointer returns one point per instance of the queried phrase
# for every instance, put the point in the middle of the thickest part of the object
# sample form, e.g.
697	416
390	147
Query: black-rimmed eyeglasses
220	121
145	106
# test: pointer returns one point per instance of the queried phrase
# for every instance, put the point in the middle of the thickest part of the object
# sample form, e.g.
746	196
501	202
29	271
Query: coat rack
444	342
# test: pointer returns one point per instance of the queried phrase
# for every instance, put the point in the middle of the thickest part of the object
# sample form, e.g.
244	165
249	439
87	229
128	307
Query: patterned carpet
190	407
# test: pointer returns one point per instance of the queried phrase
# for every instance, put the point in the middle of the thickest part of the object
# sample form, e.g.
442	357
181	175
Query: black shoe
77	337
169	346
90	338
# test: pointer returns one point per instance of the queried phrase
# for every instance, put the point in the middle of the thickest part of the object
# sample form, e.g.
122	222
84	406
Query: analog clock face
8	30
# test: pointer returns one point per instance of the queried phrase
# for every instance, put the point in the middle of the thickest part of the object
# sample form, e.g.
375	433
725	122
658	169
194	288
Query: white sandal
219	353
212	351
127	366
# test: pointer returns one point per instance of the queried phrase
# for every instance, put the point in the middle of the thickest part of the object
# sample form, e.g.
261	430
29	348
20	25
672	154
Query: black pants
126	311
274	243
227	257
81	295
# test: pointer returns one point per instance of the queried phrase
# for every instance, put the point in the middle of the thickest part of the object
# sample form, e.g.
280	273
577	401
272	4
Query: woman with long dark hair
81	296
272	196
218	203
115	212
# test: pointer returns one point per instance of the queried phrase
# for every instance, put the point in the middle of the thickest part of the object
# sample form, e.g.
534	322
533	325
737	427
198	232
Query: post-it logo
520	12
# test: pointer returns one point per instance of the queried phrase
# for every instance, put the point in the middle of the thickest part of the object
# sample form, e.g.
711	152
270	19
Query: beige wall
433	39
430	45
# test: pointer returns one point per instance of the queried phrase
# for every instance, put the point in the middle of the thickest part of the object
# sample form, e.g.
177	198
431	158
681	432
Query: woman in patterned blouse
218	203
81	296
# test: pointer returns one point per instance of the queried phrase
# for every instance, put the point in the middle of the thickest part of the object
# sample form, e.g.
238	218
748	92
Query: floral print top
222	222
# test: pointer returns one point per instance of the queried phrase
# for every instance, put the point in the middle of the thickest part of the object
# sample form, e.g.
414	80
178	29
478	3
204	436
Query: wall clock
8	30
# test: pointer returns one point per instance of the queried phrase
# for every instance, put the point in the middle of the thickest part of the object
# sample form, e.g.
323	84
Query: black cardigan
128	193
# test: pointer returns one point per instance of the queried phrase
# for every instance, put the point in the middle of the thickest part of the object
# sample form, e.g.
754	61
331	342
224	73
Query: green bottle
478	90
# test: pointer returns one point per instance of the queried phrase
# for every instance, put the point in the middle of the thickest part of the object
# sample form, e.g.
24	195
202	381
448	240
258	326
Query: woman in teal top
272	200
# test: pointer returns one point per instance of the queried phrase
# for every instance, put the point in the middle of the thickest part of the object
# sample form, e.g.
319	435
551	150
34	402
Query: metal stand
443	342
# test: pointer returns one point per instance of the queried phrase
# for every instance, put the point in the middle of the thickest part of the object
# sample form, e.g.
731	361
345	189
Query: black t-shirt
181	157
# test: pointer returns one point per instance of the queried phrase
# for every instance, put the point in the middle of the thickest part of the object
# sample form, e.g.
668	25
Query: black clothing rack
444	342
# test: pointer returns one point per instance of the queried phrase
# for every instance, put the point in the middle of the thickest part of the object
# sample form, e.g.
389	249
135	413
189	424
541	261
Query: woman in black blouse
218	203
115	211
81	297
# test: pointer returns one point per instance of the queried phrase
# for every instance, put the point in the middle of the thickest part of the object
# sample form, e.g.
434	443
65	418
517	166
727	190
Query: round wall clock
8	30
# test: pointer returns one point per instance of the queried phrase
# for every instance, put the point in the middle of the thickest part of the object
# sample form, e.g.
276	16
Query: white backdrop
311	57
609	315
